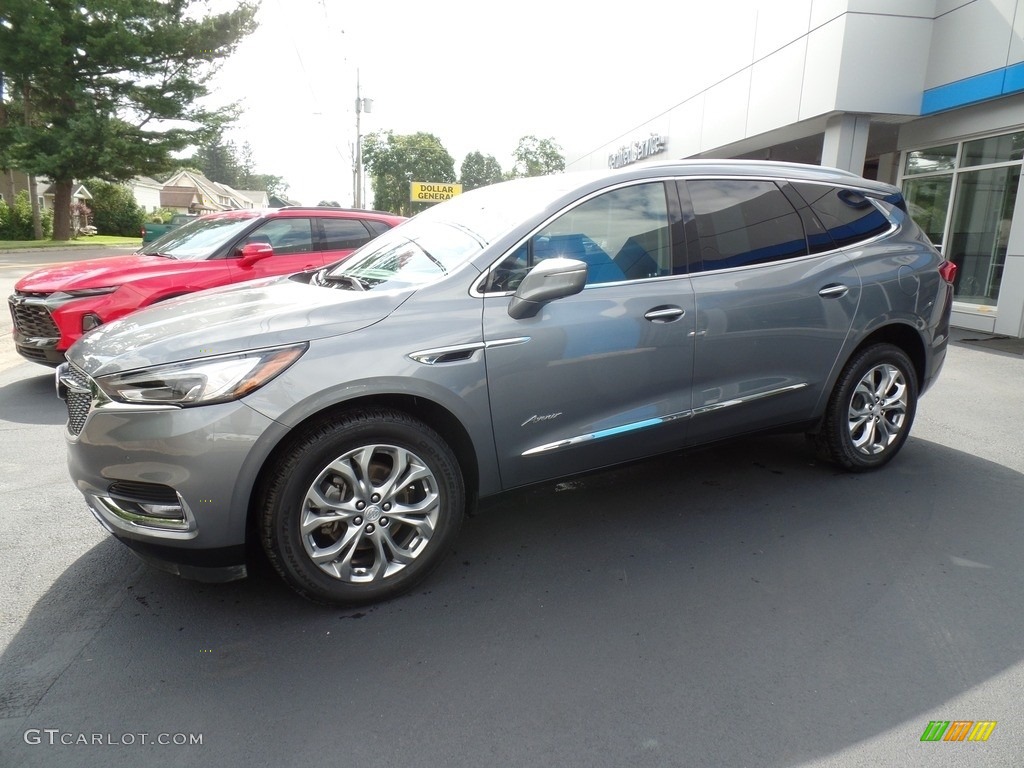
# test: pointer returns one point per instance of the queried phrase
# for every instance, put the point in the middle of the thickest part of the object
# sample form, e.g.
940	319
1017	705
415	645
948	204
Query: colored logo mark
958	730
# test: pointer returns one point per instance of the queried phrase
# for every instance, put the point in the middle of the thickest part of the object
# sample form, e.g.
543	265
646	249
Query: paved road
736	606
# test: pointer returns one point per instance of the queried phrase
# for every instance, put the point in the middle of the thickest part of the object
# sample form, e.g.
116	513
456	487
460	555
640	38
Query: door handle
835	291
664	314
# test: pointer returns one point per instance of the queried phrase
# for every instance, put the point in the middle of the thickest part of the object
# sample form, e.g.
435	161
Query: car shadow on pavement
742	604
32	401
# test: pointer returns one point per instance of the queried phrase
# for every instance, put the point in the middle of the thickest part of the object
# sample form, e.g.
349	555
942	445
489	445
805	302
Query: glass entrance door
982	211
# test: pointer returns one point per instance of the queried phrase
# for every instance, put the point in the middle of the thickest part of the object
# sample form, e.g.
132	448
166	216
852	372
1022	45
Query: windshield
414	254
199	239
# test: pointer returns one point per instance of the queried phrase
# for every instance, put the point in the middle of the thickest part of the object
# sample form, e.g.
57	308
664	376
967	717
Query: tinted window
342	234
377	227
620	235
742	222
285	235
848	215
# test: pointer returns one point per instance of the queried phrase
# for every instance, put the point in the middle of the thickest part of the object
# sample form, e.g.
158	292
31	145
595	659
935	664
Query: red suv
53	307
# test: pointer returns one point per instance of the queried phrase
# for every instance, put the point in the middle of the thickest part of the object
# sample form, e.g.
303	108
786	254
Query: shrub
114	210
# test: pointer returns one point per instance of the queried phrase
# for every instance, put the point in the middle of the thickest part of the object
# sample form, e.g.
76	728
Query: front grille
34	353
32	320
78	403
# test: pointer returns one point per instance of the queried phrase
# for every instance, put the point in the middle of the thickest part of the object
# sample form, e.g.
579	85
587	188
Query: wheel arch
905	337
434	415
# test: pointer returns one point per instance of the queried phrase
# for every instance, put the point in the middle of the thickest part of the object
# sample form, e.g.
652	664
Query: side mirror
551	279
253	252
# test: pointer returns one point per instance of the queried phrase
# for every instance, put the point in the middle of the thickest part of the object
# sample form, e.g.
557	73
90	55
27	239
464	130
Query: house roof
177	197
77	191
212	195
259	197
280	201
146	181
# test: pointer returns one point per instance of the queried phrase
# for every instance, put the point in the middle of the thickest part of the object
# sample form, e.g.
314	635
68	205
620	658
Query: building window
963	195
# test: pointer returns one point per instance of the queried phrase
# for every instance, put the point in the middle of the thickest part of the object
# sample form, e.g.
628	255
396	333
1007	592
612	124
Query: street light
362	105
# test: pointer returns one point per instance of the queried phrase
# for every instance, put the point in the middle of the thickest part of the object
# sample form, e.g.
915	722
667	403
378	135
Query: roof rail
331	208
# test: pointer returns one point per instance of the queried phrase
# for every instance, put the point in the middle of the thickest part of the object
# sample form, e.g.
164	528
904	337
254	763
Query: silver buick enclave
348	417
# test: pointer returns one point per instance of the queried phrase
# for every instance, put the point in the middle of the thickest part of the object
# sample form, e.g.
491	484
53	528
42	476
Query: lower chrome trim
610	432
647	423
115	517
748	399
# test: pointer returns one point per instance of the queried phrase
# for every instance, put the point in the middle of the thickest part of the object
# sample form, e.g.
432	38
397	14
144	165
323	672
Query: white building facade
925	94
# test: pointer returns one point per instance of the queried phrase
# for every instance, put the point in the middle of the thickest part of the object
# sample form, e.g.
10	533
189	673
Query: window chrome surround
647	423
477	291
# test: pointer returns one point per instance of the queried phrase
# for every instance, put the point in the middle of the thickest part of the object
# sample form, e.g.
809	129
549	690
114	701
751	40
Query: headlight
81	293
200	382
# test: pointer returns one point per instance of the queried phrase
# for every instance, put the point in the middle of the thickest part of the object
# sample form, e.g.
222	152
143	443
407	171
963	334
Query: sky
478	75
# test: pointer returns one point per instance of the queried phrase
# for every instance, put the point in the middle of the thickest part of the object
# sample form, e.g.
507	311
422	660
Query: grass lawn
82	241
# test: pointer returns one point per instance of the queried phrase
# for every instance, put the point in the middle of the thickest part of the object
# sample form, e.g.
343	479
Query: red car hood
99	273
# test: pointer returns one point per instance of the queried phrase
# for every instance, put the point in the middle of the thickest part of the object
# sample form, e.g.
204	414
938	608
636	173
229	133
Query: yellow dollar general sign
433	191
958	730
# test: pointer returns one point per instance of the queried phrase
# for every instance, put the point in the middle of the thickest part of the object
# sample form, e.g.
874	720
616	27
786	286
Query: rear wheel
362	508
871	409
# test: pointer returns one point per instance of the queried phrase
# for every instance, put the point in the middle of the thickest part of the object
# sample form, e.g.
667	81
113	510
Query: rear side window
847	214
377	227
342	234
742	222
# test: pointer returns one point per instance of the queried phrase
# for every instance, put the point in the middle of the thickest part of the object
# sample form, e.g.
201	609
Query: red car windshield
198	240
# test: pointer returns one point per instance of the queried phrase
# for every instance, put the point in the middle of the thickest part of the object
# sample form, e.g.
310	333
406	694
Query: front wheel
871	409
362	508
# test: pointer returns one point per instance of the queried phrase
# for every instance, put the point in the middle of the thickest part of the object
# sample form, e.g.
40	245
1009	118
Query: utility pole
362	105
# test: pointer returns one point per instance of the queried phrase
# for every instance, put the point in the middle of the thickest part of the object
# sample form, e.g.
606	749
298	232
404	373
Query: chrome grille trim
32	318
76	389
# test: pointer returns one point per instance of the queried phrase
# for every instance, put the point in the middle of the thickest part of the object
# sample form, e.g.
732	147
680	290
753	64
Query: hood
99	273
263	313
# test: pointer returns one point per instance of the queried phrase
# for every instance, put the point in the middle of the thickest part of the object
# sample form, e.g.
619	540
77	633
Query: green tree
114	210
395	161
269	183
220	161
109	88
537	157
478	171
217	160
329	204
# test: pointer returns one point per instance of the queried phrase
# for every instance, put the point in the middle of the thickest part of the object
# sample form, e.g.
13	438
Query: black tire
870	411
375	487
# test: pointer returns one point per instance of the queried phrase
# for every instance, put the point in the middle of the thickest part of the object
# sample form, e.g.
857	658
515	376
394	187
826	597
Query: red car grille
32	320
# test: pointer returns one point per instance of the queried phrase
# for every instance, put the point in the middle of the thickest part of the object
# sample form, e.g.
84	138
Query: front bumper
36	335
165	480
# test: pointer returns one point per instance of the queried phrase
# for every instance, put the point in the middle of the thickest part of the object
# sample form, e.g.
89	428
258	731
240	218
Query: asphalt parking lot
741	605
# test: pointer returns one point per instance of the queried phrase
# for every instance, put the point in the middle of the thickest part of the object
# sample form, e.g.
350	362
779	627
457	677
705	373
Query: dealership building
925	94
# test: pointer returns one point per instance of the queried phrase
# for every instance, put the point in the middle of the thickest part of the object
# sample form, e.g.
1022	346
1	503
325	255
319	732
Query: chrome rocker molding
646	423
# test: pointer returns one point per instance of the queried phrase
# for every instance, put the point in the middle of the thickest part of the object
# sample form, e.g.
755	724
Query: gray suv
347	418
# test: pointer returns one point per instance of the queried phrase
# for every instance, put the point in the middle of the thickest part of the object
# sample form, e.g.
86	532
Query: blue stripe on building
971	90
